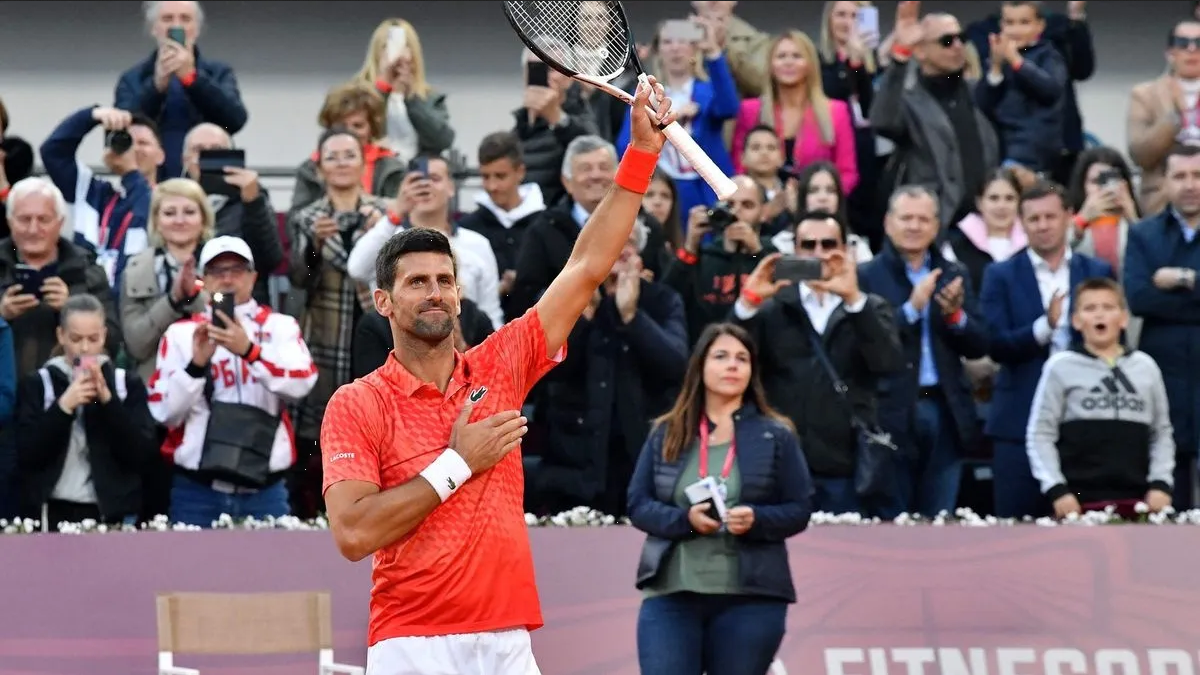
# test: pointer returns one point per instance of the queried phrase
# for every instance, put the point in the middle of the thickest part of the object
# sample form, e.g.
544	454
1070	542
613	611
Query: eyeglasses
825	244
1179	42
950	39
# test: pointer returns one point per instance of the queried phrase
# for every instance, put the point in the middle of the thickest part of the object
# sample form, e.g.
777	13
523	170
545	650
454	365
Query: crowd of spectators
939	171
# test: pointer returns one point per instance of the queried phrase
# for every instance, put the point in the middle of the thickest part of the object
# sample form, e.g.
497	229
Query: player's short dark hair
1097	284
501	145
1044	188
412	240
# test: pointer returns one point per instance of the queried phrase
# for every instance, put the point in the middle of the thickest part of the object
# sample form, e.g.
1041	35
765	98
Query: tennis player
419	460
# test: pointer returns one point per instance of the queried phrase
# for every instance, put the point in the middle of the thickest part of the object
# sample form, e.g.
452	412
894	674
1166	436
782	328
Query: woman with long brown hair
714	572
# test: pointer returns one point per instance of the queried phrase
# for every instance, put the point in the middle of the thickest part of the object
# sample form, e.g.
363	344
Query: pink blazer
809	145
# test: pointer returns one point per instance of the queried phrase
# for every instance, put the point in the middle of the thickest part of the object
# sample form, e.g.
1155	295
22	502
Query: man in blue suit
1161	259
939	325
1025	302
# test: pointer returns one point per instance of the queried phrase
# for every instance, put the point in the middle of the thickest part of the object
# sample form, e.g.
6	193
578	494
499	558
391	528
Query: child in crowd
1099	432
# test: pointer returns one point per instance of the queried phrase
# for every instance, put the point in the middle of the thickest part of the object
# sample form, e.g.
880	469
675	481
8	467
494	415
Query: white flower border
581	516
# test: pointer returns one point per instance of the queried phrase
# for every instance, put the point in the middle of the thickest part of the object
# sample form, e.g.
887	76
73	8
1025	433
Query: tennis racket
548	26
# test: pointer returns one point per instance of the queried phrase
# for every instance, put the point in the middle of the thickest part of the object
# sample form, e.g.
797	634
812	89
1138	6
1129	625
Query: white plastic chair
246	623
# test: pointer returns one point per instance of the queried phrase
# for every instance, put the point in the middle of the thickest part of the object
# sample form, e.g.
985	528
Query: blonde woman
810	126
848	70
701	86
160	285
358	108
417	120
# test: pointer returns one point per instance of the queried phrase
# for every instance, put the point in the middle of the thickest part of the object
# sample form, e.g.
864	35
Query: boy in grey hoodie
1099	431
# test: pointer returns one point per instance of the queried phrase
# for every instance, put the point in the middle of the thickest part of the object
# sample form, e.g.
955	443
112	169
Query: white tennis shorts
507	652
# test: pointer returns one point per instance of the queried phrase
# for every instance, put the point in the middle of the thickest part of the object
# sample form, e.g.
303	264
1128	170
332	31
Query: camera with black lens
720	216
119	141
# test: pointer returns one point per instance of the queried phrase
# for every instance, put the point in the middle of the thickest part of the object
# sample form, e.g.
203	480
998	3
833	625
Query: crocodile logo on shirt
478	394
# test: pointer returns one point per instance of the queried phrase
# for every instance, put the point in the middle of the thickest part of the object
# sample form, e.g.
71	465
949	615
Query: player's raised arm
607	230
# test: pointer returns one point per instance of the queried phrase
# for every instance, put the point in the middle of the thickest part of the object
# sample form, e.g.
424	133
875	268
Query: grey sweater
1101	432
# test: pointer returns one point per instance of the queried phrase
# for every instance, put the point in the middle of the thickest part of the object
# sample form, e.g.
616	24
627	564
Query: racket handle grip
700	161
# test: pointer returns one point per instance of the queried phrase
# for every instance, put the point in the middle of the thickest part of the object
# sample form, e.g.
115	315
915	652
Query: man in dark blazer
939	324
858	332
1161	258
1026	304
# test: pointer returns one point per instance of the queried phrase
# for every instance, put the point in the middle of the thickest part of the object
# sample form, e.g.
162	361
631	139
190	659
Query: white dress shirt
1050	282
819	310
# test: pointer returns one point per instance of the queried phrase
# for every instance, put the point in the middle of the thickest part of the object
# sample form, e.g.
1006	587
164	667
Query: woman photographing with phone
716	591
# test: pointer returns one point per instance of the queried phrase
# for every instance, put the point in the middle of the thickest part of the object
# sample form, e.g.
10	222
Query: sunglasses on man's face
1179	42
949	40
824	244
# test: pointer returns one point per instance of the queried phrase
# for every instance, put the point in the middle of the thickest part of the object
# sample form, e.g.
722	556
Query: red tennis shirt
467	568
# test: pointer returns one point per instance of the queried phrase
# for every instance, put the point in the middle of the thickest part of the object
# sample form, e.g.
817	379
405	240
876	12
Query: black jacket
544	146
547	246
864	347
34	331
775	483
1028	107
712	283
121	439
372	341
615	379
885	276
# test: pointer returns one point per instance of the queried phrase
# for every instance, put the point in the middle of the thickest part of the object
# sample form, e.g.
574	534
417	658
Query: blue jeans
695	634
928	483
1015	491
835	495
196	504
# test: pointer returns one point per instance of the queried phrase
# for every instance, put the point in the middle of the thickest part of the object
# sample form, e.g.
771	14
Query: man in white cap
221	386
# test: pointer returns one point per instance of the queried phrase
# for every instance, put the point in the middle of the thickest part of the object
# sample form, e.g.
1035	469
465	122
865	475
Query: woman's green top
702	564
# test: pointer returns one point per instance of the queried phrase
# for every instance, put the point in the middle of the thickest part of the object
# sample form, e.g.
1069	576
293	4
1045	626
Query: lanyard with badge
726	468
709	489
107	253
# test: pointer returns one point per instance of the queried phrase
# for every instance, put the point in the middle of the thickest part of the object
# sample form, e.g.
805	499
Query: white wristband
447	473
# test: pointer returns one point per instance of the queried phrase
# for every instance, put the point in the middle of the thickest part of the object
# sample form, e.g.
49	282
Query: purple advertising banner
1109	600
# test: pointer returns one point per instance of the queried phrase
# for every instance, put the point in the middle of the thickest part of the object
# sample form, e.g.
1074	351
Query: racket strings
600	44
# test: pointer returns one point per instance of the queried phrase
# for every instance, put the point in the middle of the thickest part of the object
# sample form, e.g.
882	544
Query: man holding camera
241	203
709	276
176	86
856	329
107	220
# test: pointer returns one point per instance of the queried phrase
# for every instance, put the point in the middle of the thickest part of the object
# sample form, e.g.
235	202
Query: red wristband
4	194
394	218
751	297
1081	223
254	353
955	318
189	79
685	257
901	51
383	86
636	170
